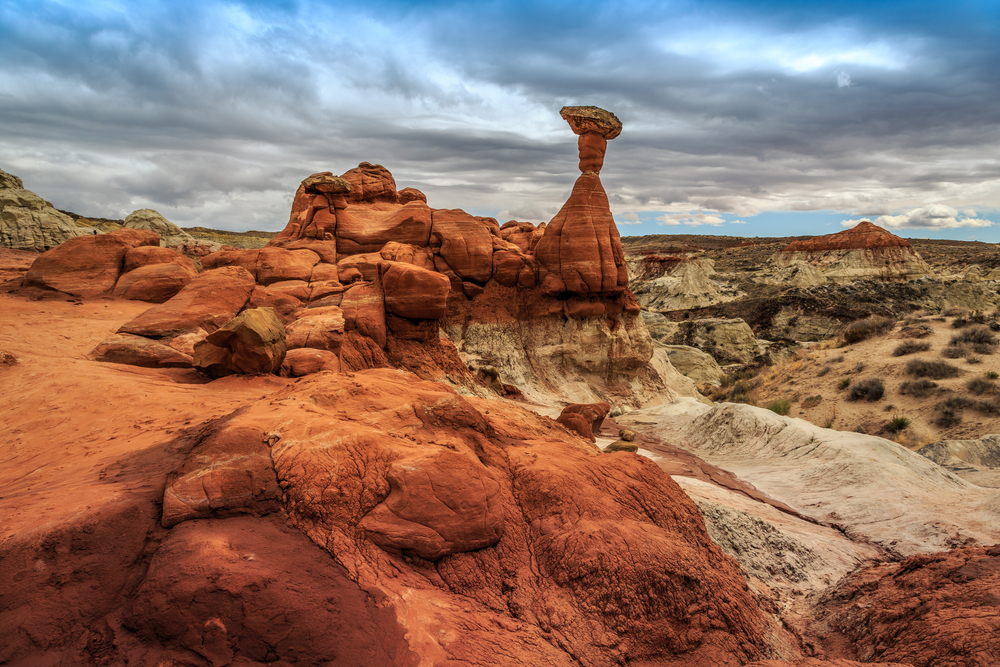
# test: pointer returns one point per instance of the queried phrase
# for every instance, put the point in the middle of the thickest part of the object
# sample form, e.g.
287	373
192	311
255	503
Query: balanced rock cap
327	182
592	119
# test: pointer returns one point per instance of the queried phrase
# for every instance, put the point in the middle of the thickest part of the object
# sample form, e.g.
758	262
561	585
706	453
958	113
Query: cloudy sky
741	118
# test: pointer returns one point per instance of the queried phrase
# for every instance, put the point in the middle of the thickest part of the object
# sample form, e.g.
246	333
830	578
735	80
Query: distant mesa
863	236
864	251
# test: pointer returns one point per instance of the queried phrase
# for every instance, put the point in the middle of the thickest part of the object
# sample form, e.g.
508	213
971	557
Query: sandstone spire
581	249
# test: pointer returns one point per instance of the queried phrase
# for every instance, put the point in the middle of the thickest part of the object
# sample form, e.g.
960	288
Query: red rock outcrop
933	610
454	517
594	413
155	283
413	292
139	351
207	302
581	250
87	265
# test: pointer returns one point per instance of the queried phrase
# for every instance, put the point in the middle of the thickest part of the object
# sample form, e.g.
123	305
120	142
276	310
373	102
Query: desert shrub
781	406
977	317
994	326
918	388
949	411
955	312
980	386
973	359
845	383
954	352
938	370
991	407
976	334
823	371
869	389
983	348
959	322
837	360
864	329
992	375
897	424
909	347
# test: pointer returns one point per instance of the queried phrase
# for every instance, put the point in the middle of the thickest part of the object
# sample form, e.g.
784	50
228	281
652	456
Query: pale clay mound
874	488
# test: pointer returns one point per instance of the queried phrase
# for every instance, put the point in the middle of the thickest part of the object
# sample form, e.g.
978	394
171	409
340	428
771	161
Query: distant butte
864	236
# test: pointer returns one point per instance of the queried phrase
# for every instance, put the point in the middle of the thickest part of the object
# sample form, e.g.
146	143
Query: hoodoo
581	251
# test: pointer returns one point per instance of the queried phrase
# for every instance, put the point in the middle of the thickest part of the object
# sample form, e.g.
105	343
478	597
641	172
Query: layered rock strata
864	251
28	222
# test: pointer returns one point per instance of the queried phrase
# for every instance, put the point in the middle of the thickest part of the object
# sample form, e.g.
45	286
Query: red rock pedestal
581	250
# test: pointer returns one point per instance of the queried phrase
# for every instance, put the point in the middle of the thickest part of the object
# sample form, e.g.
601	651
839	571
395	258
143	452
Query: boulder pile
366	276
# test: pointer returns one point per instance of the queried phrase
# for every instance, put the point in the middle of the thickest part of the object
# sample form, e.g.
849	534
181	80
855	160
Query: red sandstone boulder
406	195
594	413
581	249
324	273
413	292
155	283
522	234
306	361
149	255
207	302
366	264
285	306
248	591
408	254
138	351
364	311
578	424
514	269
86	265
318	328
371	183
228	473
252	343
464	242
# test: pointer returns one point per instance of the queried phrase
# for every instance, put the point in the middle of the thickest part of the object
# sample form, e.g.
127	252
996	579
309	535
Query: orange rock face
581	250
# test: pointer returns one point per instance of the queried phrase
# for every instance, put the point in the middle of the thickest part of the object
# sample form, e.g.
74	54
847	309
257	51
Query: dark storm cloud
214	111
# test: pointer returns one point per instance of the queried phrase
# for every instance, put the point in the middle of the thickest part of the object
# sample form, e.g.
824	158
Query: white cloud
843	79
932	216
629	219
693	219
